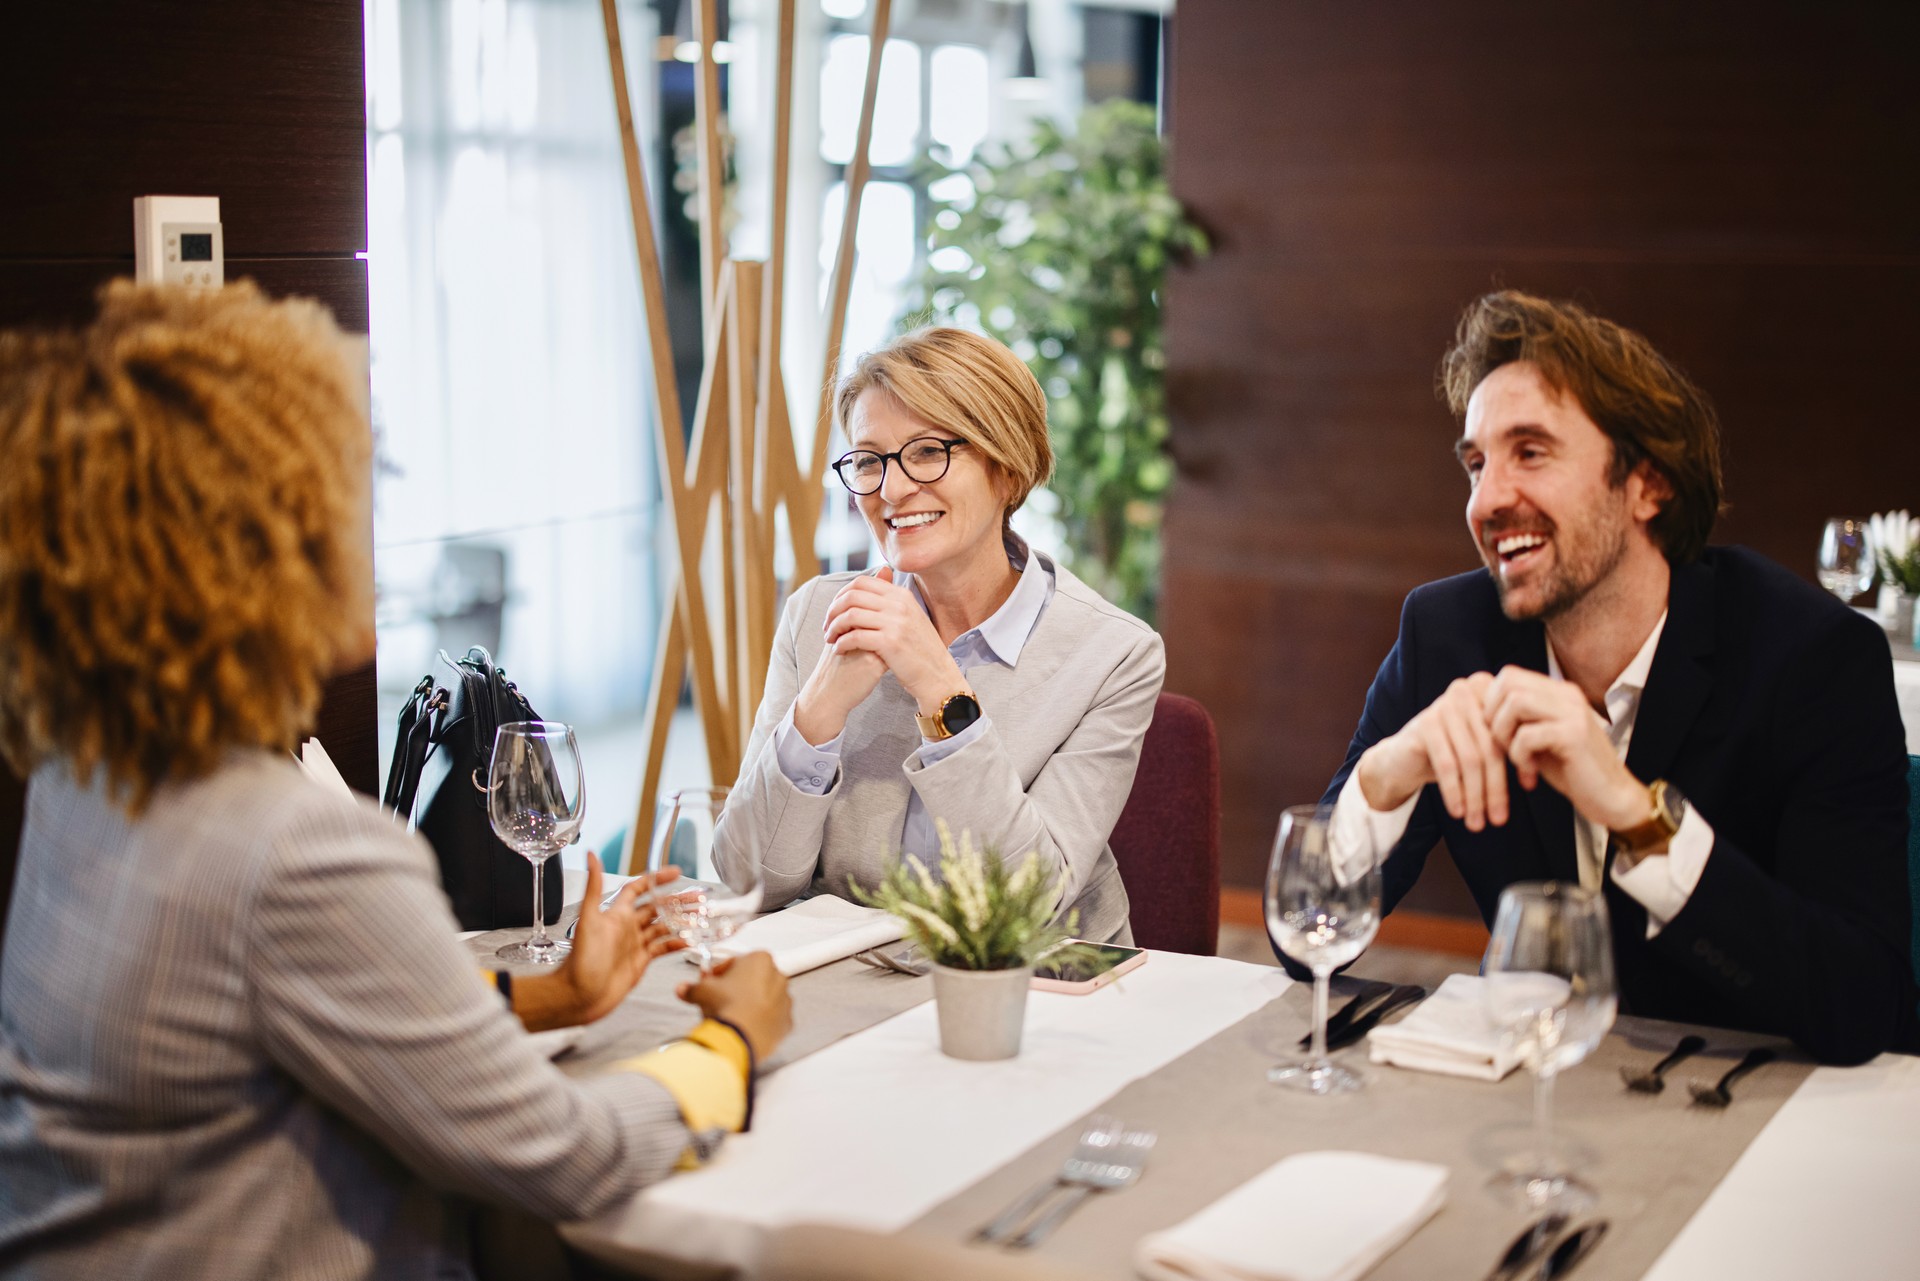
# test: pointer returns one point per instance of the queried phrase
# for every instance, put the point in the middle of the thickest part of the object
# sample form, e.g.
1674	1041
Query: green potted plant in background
1895	537
984	926
1060	248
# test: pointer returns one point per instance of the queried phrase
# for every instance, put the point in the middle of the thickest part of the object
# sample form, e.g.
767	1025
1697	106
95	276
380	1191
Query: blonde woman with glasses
971	679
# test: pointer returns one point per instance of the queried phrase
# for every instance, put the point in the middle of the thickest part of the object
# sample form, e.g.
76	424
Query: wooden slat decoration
724	487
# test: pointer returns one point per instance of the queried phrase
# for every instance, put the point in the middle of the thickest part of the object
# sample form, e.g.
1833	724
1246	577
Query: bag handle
415	743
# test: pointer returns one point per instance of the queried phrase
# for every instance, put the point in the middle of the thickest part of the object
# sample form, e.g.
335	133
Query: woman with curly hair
238	1035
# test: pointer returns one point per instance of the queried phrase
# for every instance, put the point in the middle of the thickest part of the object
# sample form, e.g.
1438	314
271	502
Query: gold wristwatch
953	715
1667	808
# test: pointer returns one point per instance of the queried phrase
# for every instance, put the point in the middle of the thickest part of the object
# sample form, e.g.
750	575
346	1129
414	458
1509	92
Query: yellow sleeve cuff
707	1073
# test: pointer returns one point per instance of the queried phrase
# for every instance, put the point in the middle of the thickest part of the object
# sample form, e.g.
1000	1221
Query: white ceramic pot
981	1011
1895	608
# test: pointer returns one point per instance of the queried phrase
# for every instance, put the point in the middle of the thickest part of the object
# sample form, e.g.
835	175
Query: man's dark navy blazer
1771	706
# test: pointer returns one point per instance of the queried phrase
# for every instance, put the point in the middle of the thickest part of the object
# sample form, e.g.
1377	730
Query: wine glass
1846	557
702	910
1550	988
1323	907
536	798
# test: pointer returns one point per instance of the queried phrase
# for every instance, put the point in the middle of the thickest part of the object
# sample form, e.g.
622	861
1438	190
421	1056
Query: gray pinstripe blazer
238	1038
1050	774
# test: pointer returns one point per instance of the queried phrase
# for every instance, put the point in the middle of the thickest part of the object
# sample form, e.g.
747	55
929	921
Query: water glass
1550	988
701	910
536	799
1323	908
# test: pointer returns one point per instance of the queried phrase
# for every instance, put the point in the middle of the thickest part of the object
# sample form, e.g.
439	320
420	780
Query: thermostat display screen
196	246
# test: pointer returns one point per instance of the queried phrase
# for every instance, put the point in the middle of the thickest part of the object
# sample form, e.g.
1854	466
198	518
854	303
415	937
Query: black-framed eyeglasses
924	459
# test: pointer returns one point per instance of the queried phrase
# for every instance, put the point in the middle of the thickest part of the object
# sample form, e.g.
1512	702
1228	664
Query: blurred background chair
1167	841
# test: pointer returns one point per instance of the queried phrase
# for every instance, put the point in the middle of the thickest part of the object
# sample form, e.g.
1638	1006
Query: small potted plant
1897	549
984	925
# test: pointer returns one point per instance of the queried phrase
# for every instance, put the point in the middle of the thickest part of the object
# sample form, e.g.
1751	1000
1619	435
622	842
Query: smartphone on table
1084	976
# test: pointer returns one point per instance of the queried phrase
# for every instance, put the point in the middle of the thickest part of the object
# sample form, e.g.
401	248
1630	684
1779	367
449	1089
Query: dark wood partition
1739	181
259	102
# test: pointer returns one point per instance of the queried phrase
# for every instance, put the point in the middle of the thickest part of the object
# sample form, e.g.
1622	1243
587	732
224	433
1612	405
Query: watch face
1673	806
959	712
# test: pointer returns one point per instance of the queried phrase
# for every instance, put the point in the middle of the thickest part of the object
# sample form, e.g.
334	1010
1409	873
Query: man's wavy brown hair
1649	410
182	553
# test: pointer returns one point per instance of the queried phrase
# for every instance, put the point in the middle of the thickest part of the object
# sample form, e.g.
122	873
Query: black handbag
438	783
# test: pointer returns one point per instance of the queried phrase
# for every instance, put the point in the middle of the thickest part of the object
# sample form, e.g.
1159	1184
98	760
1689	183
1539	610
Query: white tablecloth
878	1129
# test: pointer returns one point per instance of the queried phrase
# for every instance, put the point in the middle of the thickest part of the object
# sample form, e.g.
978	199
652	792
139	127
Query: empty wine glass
1846	557
536	798
1550	988
1323	908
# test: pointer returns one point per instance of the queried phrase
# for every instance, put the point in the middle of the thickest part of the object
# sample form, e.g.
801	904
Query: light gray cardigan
1050	773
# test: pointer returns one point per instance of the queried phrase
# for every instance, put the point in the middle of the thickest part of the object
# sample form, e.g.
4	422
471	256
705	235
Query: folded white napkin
1449	1032
1315	1216
820	931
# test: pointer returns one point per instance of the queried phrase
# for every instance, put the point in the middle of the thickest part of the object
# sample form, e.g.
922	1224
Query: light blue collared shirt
999	639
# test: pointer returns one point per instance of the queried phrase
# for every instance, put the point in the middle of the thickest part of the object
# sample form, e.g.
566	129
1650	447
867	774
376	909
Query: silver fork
908	962
1102	1132
1116	1169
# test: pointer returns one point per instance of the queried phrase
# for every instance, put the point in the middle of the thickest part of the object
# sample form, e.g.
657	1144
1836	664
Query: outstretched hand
612	947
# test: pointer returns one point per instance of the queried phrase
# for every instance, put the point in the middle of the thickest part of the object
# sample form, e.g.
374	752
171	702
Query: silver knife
1567	1255
1528	1246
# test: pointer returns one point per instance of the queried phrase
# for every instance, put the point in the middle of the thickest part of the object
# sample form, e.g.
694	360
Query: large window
515	500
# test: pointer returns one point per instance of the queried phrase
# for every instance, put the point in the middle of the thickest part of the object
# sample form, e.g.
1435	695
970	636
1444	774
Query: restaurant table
861	1122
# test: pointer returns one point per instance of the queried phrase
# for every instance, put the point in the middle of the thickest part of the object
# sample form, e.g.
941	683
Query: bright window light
896	116
958	101
844	8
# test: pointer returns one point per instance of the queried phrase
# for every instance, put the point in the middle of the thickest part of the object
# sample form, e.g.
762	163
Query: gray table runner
1653	1158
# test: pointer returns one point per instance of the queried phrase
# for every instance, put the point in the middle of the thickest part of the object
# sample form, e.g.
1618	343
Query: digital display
1109	956
196	246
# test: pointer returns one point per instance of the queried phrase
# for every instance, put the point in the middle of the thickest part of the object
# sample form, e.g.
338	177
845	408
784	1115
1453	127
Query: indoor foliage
978	914
1063	248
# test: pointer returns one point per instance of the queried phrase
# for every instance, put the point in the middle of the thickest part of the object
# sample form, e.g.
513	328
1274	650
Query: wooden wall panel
1737	181
259	102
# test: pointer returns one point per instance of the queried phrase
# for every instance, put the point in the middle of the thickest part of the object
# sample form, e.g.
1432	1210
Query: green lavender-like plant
1065	247
978	915
1903	571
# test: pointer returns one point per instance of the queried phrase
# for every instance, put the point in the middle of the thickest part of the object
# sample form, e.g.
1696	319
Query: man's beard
1579	564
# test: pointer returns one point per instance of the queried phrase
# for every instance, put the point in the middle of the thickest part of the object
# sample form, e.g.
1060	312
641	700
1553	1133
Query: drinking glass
1323	907
684	837
1846	557
1549	986
701	910
536	798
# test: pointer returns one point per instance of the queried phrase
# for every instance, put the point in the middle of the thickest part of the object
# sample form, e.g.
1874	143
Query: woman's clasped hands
874	626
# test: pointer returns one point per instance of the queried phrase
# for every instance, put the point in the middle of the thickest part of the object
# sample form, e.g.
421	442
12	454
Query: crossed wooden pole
723	487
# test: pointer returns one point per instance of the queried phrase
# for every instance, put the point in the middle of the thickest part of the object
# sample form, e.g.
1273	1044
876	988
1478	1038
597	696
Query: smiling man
1697	732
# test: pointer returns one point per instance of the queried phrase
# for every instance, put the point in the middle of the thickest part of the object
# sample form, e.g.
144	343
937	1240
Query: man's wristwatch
1667	808
952	716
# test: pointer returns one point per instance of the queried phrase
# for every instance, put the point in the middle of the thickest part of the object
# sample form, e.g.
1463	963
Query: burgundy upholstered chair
1167	841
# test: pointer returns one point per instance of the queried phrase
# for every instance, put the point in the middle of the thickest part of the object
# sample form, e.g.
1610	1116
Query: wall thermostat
176	241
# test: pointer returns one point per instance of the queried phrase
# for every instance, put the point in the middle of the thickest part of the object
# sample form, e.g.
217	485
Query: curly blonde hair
183	551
